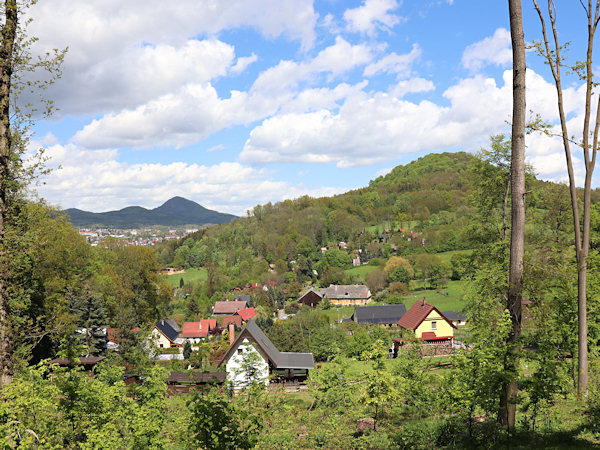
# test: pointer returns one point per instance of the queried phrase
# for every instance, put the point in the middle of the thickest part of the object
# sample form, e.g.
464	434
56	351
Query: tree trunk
9	33
582	237
517	180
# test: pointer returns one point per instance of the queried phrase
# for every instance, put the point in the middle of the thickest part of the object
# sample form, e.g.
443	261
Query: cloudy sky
233	103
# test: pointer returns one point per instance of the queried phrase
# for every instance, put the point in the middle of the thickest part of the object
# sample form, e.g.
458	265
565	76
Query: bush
399	287
168	351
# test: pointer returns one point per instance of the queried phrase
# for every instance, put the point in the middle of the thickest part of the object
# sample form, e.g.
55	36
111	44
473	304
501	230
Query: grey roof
262	340
350	291
289	360
281	360
453	315
380	314
173	324
167	330
244	298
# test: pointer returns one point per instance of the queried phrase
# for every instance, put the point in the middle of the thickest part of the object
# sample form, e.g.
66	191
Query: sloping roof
243	298
165	328
226	307
289	360
247	313
198	329
234	319
292	360
173	324
313	290
417	313
386	314
349	291
453	315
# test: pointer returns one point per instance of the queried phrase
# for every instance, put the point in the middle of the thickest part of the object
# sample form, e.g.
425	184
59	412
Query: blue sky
241	102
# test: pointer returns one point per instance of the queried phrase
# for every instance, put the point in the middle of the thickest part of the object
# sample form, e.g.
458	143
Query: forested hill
429	196
174	212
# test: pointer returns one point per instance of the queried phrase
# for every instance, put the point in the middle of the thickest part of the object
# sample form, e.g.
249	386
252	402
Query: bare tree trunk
517	180
9	33
582	237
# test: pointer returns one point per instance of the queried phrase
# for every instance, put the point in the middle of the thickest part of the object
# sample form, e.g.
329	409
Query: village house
269	362
457	318
165	334
227	308
196	332
430	326
387	315
311	297
347	295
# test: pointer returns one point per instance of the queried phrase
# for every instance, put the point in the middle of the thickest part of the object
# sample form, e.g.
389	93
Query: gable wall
235	373
159	339
443	327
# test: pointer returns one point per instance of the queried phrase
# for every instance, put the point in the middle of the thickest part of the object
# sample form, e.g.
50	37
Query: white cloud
494	50
195	111
372	128
414	85
371	16
123	53
396	64
98	181
243	62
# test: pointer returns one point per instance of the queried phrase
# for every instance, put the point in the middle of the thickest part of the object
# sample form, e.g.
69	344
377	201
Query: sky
234	103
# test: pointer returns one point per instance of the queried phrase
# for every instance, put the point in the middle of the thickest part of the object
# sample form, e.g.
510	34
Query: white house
253	345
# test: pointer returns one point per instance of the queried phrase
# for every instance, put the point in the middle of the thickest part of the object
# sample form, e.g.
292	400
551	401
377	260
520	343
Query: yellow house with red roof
430	326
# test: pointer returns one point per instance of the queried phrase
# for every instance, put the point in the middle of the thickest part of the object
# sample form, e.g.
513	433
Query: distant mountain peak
176	211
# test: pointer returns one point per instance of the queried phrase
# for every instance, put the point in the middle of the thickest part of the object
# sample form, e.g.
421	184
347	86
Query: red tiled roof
417	314
234	319
224	307
198	329
247	313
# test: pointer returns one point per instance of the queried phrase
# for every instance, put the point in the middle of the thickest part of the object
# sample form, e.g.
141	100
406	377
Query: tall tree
517	181
7	45
551	50
15	120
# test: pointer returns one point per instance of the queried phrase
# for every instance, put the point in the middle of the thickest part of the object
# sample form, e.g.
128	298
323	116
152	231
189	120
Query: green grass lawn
448	299
188	276
362	271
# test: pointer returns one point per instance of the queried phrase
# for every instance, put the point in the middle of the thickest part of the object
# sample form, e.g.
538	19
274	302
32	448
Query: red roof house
228	308
194	330
247	314
234	319
427	322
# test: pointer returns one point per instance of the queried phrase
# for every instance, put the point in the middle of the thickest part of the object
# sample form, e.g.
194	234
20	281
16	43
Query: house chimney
424	302
231	333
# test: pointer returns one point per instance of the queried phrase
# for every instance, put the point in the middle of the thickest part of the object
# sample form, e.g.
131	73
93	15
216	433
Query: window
434	325
240	351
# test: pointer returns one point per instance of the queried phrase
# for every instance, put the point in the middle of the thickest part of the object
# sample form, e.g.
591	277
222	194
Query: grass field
448	299
188	276
362	271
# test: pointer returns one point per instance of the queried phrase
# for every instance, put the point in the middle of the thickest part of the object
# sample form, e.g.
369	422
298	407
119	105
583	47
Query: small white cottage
270	363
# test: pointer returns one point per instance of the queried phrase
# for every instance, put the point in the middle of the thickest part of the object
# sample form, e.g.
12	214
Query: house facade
253	348
311	298
164	335
347	295
432	328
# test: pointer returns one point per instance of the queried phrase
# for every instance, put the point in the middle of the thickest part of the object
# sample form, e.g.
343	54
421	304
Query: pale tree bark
555	60
7	46
517	187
